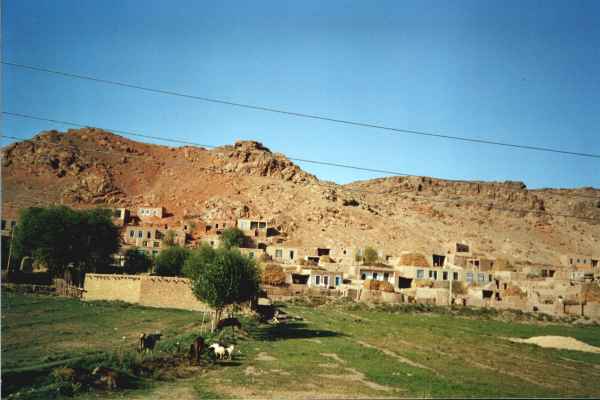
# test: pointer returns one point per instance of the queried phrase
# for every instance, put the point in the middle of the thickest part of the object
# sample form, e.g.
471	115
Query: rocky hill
88	167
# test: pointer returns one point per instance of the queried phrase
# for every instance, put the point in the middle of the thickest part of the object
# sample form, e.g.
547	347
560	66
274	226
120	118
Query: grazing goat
196	348
233	322
148	342
218	350
229	352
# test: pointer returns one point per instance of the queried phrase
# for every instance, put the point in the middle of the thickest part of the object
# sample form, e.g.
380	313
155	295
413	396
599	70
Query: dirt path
396	356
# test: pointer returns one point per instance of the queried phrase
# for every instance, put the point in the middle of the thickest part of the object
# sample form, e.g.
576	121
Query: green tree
61	238
169	239
136	262
370	255
222	277
232	237
170	261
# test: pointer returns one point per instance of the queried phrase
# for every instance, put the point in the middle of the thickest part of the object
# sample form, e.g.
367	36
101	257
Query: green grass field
337	351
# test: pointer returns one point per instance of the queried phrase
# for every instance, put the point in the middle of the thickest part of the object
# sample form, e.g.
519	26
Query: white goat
218	349
229	352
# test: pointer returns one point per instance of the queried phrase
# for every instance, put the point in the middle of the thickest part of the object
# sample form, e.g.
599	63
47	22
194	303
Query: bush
136	262
232	237
170	261
370	256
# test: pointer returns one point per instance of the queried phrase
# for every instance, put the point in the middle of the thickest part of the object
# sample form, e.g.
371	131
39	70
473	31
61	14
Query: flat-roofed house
149	212
151	240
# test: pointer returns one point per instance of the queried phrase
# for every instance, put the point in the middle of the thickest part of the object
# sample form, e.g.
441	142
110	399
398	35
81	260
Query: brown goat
196	348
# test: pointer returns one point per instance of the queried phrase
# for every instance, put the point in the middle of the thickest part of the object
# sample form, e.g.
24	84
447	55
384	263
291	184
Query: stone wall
153	291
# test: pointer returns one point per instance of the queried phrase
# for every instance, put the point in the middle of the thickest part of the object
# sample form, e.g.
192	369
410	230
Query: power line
426	199
391	130
316	162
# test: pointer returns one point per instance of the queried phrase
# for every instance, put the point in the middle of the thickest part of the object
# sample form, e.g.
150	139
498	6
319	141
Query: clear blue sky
517	71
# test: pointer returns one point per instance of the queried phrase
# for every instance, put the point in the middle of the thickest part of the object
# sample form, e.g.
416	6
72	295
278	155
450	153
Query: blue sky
525	72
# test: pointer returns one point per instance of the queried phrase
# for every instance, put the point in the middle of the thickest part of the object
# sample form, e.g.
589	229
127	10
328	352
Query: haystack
413	259
383	286
273	275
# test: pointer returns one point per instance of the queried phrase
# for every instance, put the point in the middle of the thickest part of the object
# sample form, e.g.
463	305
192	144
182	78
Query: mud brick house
148	212
378	273
255	228
150	240
217	226
120	216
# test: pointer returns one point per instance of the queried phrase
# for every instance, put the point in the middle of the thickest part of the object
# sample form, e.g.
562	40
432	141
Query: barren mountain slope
89	167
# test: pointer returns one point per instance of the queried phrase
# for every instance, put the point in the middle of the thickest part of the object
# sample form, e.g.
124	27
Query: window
338	280
317	279
262	225
3	224
363	276
140	234
481	277
326	280
145	243
386	276
469	277
344	252
570	261
420	274
374	275
435	275
430	274
156	244
148	234
455	276
291	254
131	234
445	275
490	278
278	253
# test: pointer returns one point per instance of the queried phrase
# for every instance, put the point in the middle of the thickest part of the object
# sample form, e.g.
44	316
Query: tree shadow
292	330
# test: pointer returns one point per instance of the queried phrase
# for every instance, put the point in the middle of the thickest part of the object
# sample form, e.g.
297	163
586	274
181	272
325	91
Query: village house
318	277
213	241
252	253
379	272
150	240
148	212
120	216
217	226
284	254
254	228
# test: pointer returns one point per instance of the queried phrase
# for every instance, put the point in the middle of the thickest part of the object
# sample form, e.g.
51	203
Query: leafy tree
222	277
370	255
170	261
169	239
232	237
61	237
136	262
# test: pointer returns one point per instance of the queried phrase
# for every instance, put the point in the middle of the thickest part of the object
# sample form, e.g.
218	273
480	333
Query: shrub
370	255
232	237
136	262
170	261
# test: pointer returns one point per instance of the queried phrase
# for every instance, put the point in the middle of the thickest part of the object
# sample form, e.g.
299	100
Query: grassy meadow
336	351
